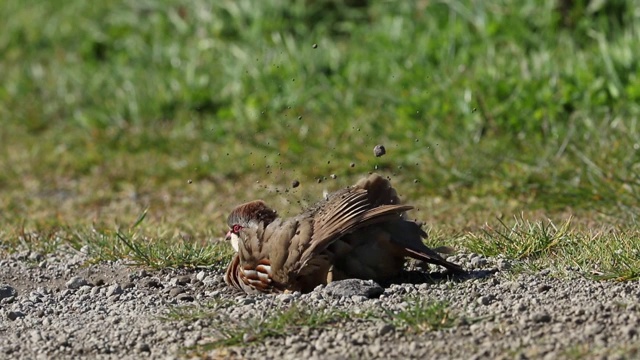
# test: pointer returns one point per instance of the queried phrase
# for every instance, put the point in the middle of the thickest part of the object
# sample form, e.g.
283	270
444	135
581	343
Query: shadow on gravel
420	277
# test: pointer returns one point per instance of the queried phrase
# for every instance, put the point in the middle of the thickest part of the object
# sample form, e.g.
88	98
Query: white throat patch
235	242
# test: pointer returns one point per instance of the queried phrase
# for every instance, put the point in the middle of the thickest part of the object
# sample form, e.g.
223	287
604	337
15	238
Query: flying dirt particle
333	176
315	46
295	184
352	164
379	150
190	181
415	181
319	180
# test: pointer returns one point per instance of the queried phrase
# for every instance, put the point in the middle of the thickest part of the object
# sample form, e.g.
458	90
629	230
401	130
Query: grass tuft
605	252
421	315
156	252
274	323
522	240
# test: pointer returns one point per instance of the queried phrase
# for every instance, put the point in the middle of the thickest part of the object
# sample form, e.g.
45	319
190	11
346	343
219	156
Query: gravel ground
56	307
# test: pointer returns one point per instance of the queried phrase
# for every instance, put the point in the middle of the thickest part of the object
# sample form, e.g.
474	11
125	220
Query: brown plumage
357	232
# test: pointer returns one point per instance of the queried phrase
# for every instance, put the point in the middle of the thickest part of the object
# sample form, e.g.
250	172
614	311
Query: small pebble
76	282
114	289
541	317
185	297
175	291
7	291
544	287
200	275
13	315
379	150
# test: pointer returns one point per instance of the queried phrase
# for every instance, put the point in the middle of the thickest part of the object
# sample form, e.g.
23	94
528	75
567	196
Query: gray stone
13	315
7	291
35	256
175	291
485	300
379	150
114	289
630	331
185	297
503	264
544	287
594	329
478	262
152	282
385	329
200	275
541	317
76	282
183	280
353	287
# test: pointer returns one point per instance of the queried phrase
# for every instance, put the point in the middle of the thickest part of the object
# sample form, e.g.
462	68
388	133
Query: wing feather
346	213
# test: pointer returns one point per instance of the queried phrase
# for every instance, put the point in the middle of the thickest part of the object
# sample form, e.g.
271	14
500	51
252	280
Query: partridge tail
408	235
432	257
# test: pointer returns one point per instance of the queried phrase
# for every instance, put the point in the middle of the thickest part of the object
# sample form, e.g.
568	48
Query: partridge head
357	232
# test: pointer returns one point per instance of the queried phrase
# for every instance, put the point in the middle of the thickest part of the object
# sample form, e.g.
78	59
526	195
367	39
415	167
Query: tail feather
409	235
432	257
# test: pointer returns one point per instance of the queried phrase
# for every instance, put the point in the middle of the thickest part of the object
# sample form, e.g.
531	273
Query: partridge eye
236	229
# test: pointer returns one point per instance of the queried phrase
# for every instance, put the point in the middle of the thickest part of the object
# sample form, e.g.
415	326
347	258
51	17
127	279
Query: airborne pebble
379	150
295	184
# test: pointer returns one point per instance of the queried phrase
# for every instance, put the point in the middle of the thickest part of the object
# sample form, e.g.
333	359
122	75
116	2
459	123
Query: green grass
158	252
273	323
418	316
603	252
421	315
589	350
184	109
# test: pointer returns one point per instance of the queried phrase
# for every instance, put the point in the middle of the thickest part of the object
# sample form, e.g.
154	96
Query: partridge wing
343	214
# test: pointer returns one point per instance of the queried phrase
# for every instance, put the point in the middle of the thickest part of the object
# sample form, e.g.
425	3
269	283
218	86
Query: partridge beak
228	236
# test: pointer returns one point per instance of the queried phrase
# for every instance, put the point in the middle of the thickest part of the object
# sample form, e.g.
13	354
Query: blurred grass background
187	108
